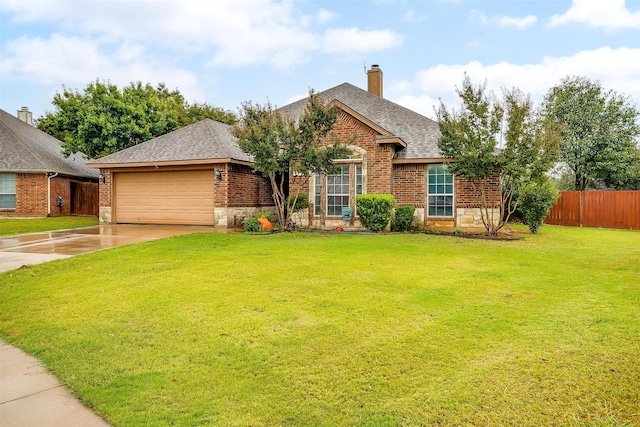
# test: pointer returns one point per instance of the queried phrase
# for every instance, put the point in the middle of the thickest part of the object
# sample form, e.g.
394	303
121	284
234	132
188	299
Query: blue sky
225	52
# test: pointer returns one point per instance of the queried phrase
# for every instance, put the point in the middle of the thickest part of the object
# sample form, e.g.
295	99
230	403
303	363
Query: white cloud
74	61
354	40
323	16
520	23
609	15
223	33
616	69
412	16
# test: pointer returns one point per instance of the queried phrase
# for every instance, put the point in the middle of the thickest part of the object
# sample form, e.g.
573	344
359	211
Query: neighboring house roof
205	140
418	132
27	149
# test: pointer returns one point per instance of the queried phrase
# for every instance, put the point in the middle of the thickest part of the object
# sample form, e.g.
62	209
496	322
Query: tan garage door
164	197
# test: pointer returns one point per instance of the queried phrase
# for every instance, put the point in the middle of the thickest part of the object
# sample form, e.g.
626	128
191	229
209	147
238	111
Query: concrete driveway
27	249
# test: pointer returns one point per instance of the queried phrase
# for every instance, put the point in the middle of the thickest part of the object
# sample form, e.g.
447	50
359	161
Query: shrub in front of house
375	210
536	202
404	218
251	225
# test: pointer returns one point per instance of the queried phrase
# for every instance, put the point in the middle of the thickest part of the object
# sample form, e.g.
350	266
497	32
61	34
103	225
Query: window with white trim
7	190
341	187
439	192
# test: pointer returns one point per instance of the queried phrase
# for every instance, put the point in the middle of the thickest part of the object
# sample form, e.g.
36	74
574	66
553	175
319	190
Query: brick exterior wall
466	196
410	184
31	196
247	188
60	187
105	188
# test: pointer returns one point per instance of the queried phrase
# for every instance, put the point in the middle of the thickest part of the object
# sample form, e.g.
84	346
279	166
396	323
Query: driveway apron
35	248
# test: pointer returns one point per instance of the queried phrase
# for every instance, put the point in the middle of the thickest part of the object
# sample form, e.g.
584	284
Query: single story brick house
36	179
394	151
199	174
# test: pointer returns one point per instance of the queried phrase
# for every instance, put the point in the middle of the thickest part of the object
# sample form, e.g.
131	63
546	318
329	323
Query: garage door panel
164	197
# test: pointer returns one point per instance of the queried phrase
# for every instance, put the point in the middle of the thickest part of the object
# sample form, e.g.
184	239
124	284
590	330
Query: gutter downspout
49	192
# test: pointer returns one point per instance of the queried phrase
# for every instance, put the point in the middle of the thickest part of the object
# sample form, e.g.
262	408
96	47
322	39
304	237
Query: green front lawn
333	330
10	227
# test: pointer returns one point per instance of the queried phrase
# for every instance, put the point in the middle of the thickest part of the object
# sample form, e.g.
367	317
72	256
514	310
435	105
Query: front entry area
164	197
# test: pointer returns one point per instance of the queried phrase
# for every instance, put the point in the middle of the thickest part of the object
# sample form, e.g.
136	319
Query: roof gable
418	132
201	141
24	148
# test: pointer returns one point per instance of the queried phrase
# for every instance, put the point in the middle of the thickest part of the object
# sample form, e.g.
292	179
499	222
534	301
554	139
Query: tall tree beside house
102	118
283	148
600	133
469	136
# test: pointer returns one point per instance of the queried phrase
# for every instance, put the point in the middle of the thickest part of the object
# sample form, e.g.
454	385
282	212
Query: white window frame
8	188
445	194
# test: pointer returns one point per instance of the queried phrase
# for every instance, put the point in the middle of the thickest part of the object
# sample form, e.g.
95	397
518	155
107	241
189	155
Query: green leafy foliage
103	119
404	217
470	137
536	202
375	210
599	132
281	146
251	225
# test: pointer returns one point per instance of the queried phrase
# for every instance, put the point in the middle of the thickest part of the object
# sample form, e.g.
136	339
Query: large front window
340	187
7	190
338	191
440	191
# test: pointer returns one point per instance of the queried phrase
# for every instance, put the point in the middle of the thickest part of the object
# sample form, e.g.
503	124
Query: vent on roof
25	115
374	77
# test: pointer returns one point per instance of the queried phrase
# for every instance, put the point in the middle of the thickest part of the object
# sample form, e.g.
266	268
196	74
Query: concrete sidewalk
31	397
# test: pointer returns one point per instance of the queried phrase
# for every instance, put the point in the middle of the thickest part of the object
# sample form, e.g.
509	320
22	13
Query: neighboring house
36	179
194	175
199	174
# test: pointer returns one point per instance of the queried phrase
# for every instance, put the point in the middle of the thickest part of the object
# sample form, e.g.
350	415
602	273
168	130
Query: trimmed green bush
251	225
404	217
536	202
375	210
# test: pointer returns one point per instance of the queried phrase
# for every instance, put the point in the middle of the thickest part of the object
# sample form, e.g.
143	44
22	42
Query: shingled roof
419	132
204	140
26	149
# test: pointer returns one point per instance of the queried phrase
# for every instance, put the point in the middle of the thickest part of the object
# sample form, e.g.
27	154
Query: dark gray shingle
205	140
24	148
419	132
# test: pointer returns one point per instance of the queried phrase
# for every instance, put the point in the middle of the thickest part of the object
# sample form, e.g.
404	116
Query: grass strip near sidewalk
9	227
314	329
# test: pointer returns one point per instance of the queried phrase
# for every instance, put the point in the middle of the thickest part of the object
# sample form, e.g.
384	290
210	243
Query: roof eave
422	160
98	165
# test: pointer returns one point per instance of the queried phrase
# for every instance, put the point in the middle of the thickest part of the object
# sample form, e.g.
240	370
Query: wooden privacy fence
607	209
84	198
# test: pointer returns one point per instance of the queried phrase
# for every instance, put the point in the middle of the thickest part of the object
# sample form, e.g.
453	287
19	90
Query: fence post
581	210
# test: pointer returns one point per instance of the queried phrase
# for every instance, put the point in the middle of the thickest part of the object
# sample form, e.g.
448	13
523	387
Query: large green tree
102	118
285	149
599	131
470	137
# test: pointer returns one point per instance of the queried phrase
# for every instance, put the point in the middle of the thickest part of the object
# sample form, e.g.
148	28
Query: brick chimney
374	78
25	115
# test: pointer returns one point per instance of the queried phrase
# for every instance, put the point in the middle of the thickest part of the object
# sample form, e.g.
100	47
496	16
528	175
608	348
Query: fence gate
84	198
